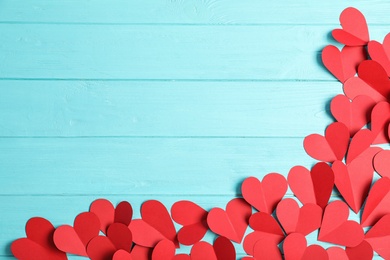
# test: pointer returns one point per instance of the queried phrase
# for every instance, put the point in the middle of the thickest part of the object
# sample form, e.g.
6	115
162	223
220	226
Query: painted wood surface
170	100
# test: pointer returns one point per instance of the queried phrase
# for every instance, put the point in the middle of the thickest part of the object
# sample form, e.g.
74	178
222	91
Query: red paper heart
231	223
74	239
39	242
100	248
381	52
122	255
353	114
120	235
379	237
377	203
380	119
155	225
354	180
312	187
265	195
372	81
343	65
107	214
194	221
203	251
337	229
266	228
337	253
302	220
164	250
330	148
295	248
224	249
266	249
355	30
381	163
359	144
363	251
141	253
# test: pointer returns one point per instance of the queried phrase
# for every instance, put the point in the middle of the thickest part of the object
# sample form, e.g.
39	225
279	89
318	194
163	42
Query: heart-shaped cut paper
337	253
363	251
39	242
122	255
294	219
355	30
107	214
381	52
266	249
120	235
141	252
295	248
156	225
372	81
337	229
380	119
379	237
100	248
224	249
313	186
330	147
75	239
359	144
194	221
164	250
264	195
343	65
381	163
377	203
354	180
353	114
203	251
231	223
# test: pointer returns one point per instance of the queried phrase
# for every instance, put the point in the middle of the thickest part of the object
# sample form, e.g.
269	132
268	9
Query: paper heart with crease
380	119
381	163
265	228
264	195
379	237
353	114
354	180
330	147
224	249
74	240
343	64
107	214
363	251
294	219
377	203
265	249
381	52
193	219
100	248
360	143
372	81
231	223
337	229
313	186
39	242
156	225
295	248
354	30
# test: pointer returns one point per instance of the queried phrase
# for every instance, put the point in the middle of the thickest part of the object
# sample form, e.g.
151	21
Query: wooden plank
139	108
62	210
142	165
165	52
188	12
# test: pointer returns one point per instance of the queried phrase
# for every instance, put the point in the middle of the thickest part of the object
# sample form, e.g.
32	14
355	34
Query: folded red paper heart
381	52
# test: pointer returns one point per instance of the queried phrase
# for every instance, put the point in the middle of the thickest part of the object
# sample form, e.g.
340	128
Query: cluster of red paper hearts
347	161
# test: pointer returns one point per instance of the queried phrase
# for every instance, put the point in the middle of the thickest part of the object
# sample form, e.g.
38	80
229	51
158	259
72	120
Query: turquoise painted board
169	100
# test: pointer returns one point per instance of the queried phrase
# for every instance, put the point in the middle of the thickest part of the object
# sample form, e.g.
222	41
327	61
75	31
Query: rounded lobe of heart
100	248
224	249
337	229
355	86
360	142
379	237
266	249
294	246
380	118
375	76
265	195
355	30
231	223
323	181
144	234
363	251
337	253
315	252
105	211
121	255
380	53
251	239
354	114
203	251
301	184
378	202
190	234
120	235
87	226
186	212
181	257
141	253
123	213
381	163
343	64
302	220
264	222
164	250
156	215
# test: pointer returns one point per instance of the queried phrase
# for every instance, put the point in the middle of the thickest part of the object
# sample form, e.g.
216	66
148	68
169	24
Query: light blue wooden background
168	100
